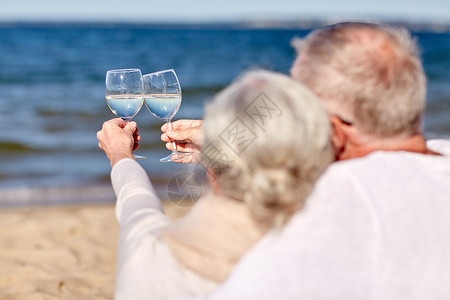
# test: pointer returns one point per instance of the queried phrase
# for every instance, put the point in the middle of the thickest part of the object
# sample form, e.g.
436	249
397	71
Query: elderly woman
266	141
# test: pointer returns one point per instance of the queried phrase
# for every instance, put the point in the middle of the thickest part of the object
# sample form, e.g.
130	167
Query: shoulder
374	184
384	171
389	163
440	145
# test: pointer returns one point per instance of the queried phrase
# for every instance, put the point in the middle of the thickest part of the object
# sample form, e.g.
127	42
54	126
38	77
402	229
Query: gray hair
368	74
267	140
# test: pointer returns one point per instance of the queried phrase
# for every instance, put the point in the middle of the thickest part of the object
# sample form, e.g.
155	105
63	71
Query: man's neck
415	143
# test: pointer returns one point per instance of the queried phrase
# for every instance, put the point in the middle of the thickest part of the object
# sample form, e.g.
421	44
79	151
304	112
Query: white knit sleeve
133	190
141	219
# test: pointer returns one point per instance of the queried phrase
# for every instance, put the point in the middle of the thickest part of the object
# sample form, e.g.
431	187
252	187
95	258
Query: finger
170	146
194	157
184	135
131	127
185	160
116	121
183	147
165	138
172	136
113	123
182	124
197	123
135	146
136	138
100	137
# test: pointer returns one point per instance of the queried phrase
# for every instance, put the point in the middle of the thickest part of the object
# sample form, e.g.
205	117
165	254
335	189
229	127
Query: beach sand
60	252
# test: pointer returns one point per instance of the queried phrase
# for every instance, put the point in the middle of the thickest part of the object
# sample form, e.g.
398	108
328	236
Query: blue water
52	89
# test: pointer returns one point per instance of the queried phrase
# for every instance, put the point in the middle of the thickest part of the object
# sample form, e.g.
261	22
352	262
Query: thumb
131	126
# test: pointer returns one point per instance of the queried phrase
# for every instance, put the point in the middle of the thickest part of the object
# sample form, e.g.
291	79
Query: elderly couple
281	220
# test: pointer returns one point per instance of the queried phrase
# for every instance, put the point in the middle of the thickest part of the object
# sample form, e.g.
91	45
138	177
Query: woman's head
266	140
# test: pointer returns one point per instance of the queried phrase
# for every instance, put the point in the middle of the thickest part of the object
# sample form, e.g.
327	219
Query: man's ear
338	135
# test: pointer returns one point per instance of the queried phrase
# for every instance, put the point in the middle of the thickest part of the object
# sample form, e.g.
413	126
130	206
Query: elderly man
378	222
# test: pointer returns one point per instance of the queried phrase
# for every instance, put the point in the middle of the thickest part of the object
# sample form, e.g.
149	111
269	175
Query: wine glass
123	94
162	95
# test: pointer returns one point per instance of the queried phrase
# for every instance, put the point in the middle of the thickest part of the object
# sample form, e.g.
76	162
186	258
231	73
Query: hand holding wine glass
124	94
187	135
118	139
162	95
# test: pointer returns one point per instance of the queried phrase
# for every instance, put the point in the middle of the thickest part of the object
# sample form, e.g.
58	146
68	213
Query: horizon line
262	23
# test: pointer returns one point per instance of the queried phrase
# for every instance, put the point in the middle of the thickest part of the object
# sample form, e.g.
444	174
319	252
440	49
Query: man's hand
186	136
118	139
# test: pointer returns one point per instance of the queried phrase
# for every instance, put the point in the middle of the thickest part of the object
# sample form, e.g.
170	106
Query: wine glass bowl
124	93
162	94
124	106
162	97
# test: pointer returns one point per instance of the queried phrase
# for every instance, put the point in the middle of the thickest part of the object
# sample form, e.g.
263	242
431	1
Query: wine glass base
139	156
176	157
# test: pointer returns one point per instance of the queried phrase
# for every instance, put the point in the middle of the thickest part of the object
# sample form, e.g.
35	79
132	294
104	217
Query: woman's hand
187	136
118	139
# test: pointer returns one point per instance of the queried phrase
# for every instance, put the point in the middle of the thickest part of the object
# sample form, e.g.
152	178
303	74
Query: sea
52	84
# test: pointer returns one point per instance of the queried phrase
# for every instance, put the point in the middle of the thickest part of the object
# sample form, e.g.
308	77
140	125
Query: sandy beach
60	252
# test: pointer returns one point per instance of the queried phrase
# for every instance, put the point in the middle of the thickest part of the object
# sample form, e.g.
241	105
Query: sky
224	10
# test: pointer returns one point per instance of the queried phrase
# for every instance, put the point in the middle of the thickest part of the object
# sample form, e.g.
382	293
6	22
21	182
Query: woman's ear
212	179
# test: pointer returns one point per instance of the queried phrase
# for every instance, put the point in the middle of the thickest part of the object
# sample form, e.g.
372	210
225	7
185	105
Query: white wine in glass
124	94
162	95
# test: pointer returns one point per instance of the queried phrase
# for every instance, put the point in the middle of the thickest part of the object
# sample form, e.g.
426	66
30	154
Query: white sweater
375	228
146	268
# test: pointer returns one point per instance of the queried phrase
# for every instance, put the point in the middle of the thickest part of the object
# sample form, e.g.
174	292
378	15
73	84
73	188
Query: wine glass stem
174	145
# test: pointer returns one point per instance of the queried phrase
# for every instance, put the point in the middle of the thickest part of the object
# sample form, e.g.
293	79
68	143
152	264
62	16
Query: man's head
369	76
